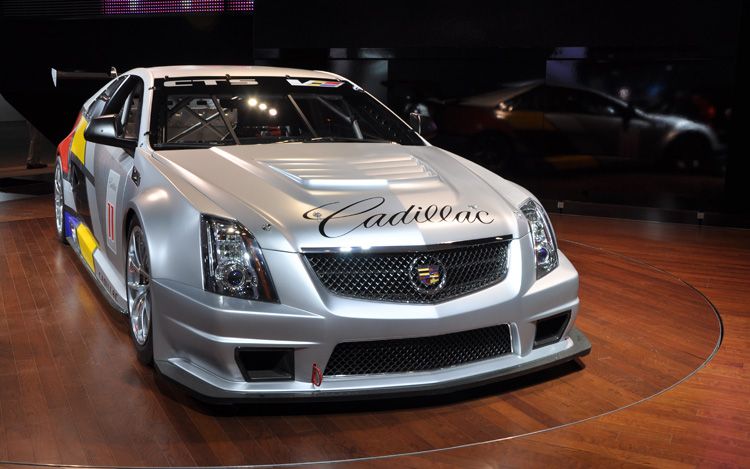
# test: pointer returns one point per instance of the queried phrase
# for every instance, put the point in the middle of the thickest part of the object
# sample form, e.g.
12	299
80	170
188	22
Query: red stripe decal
110	221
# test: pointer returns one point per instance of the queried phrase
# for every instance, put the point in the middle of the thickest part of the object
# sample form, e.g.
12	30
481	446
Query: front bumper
208	385
196	334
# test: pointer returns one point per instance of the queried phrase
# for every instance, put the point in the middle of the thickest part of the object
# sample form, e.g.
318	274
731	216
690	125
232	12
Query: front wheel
139	293
59	203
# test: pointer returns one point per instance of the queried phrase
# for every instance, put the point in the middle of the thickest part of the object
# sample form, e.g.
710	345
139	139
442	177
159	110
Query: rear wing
59	75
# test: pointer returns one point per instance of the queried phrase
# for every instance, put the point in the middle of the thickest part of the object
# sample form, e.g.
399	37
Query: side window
130	114
573	101
598	105
562	100
126	104
110	90
101	101
530	100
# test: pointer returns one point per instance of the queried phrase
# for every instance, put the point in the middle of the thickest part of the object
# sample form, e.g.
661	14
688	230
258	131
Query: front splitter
205	391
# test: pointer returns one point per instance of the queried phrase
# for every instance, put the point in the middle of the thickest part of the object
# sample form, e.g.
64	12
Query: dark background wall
34	45
532	23
458	48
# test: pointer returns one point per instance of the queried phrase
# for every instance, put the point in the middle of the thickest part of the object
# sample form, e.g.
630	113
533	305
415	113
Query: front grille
426	276
418	354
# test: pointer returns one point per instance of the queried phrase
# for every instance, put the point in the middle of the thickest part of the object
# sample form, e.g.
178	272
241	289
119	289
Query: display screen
84	8
141	7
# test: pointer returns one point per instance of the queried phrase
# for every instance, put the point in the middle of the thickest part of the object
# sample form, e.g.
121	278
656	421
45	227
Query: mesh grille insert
419	354
429	276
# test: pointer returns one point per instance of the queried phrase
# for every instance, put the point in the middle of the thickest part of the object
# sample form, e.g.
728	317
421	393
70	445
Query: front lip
206	392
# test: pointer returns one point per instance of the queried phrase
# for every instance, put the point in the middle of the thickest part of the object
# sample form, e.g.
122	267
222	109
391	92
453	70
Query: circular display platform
72	392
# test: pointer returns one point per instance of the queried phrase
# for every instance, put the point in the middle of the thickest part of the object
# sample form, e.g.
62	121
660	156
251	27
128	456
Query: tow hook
317	375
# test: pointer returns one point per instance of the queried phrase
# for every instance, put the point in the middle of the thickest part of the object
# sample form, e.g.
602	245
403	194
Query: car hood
298	196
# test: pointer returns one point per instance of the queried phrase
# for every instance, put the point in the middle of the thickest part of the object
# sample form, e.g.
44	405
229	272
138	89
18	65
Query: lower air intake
419	354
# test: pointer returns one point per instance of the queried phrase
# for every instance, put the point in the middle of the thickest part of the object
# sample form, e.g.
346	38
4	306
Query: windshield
203	112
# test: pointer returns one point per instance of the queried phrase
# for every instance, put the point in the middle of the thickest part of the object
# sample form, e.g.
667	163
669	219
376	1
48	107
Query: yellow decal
79	143
87	244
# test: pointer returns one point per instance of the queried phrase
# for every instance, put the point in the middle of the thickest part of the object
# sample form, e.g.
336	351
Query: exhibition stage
73	393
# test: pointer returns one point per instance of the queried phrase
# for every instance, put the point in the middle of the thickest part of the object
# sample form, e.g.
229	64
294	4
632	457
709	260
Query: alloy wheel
139	286
58	200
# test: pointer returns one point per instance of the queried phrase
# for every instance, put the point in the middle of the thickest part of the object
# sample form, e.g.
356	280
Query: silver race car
277	233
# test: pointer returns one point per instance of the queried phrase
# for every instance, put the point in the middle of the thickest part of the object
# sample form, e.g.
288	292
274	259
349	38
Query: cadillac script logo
428	275
365	214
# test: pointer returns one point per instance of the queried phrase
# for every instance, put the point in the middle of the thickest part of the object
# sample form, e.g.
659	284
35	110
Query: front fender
170	218
685	128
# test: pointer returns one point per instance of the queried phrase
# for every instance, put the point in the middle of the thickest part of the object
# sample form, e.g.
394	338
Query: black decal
413	214
416	218
445	212
394	220
465	214
338	215
430	212
482	213
374	220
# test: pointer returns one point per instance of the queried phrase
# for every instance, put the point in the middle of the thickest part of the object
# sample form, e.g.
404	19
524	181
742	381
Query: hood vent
359	171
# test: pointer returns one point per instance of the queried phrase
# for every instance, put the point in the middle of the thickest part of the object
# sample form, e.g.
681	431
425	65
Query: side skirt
97	265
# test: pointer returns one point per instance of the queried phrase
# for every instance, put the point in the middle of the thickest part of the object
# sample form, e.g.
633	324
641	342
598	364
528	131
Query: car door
584	123
112	167
639	137
82	160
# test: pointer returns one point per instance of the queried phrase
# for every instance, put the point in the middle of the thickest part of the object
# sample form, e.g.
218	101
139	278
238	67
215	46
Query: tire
59	195
138	288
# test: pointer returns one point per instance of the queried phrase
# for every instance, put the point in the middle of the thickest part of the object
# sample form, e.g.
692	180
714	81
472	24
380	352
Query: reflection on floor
25	207
71	390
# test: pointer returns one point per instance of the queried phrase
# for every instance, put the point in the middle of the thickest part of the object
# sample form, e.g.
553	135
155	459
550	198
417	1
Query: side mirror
423	125
107	130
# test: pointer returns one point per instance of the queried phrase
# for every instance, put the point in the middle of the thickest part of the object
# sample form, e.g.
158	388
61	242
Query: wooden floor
71	391
26	208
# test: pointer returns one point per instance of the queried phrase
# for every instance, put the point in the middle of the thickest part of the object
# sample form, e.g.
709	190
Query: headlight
233	263
545	244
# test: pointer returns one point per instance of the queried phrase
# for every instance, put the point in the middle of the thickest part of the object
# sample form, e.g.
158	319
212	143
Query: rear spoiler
58	75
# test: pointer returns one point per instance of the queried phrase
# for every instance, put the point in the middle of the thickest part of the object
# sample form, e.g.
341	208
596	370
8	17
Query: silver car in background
280	233
565	124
